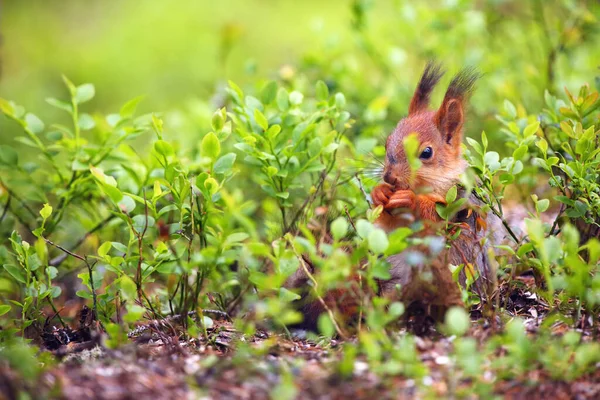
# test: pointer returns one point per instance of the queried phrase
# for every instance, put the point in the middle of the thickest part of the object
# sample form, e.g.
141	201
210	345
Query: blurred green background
180	54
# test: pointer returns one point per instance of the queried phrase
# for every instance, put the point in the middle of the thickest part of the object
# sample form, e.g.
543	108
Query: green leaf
164	148
261	120
325	325
542	205
287	295
86	122
62	105
34	124
484	140
84	93
378	241
8	156
475	145
210	146
340	100
140	223
236	237
457	321
283	99
224	164
519	153
296	98
128	109
451	194
322	91
84	294
16	272
531	129
104	249
510	109
268	92
492	159
127	204
236	90
46	211
4	308
218	121
211	185
396	309
6	107
339	228
364	228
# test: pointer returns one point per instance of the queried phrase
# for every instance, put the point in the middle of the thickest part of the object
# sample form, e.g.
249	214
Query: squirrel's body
439	134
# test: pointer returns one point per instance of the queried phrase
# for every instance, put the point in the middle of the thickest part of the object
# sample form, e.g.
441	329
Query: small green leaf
268	93
296	98
84	93
542	205
325	325
236	237
4	308
104	249
126	204
34	124
378	241
224	164
457	321
287	295
128	109
16	272
164	148
46	211
217	122
261	120
283	99
141	223
340	100
8	156
86	122
396	309
510	109
62	105
339	228
322	91
520	152
211	185
210	146
531	129
451	194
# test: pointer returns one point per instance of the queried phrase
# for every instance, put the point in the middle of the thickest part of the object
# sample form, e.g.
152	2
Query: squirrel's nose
387	178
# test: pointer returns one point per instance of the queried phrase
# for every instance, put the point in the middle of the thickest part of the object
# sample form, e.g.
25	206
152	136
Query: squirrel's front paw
381	194
401	199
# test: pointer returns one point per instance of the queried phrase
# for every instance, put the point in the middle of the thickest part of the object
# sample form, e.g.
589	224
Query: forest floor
157	364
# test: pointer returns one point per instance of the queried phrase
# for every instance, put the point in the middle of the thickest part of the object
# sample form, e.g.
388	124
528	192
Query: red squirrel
439	133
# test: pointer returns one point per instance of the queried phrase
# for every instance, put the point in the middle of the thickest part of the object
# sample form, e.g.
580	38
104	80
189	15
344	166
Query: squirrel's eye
426	154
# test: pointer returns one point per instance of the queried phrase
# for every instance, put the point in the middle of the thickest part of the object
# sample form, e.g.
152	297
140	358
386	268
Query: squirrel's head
439	134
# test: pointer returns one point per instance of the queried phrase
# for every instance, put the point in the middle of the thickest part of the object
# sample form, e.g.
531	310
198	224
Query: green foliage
216	205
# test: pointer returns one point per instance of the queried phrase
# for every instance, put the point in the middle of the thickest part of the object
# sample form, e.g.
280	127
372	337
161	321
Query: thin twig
315	287
56	261
350	218
89	267
363	191
555	224
6	207
19	199
306	202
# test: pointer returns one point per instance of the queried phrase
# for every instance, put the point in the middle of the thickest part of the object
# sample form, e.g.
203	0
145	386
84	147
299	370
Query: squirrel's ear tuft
450	117
431	76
